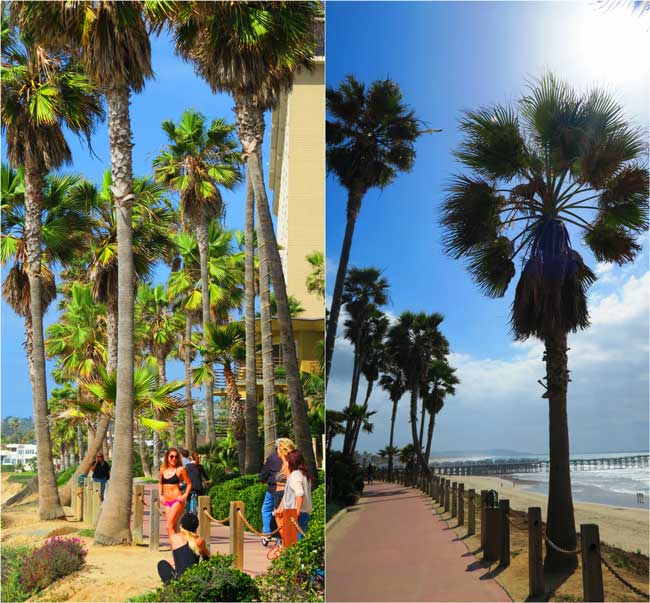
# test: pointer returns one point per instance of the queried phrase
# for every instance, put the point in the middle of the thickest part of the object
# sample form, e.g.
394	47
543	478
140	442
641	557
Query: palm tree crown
557	158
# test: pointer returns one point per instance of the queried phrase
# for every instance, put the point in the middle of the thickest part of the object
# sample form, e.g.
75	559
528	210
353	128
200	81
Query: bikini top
170	480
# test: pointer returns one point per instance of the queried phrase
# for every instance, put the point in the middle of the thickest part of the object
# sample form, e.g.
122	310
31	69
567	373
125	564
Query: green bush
58	557
344	480
253	497
10	572
211	580
7	468
65	475
221	494
298	574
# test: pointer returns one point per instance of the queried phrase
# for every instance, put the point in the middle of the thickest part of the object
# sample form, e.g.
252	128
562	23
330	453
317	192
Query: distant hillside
15	430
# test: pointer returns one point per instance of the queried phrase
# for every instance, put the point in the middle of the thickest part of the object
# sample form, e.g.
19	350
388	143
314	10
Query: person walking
268	475
187	549
371	472
199	479
297	493
171	475
101	473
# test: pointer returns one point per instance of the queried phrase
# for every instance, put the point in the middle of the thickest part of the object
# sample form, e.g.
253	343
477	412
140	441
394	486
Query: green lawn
22	478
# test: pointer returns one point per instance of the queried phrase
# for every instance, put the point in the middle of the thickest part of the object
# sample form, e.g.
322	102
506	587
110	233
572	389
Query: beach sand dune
626	528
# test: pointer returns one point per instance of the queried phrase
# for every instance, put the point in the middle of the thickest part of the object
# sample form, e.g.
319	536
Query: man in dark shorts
268	475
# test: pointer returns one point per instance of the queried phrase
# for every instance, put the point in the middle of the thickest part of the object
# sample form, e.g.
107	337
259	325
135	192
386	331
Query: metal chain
559	549
252	529
222	522
633	588
514	524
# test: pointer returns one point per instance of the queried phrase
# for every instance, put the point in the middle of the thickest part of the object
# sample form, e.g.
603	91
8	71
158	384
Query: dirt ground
112	573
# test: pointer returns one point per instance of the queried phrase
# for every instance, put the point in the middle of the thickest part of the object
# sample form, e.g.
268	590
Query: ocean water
618	487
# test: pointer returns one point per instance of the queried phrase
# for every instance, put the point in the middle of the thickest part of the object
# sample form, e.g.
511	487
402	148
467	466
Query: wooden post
237	533
592	570
204	520
138	513
447	497
492	533
154	522
97	502
461	504
535	560
471	512
482	516
79	496
504	557
86	510
454	499
324	449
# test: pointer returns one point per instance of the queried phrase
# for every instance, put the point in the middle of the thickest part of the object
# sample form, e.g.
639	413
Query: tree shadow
554	579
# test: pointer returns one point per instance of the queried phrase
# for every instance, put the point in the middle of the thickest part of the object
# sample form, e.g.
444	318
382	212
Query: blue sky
448	57
174	89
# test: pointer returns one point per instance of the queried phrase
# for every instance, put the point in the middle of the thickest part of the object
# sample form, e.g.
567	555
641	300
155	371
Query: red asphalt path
393	547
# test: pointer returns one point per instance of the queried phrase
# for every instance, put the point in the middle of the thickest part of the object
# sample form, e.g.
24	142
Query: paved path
393	547
255	555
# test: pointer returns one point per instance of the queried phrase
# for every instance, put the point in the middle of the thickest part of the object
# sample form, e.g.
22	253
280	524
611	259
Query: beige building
297	178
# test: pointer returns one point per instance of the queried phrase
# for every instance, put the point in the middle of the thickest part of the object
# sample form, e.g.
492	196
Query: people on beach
172	474
297	491
101	473
268	475
187	549
199	479
371	472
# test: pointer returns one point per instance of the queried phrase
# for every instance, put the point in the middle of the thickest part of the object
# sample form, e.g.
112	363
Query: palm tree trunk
432	424
80	443
190	441
236	414
202	238
250	122
414	428
155	461
252	440
422	415
142	449
268	370
113	526
560	521
390	441
354	205
49	504
357	428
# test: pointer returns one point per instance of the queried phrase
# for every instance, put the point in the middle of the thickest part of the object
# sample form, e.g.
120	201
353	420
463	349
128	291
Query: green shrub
298	574
221	494
7	468
344	480
253	497
211	580
58	557
10	571
65	475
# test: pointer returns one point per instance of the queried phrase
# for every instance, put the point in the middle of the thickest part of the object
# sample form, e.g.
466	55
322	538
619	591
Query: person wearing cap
187	549
268	475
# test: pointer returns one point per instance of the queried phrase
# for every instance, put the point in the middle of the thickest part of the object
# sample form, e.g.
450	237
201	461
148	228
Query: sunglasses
173	456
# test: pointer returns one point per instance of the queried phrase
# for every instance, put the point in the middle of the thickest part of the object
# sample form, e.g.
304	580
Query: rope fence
295	523
623	581
221	522
252	529
559	549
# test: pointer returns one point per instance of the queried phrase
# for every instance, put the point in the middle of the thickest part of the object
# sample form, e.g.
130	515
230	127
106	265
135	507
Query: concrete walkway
255	555
393	547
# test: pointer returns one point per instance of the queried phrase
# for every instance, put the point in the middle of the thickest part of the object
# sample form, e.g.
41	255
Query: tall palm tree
554	161
198	161
226	278
370	139
364	291
392	381
112	42
225	344
41	94
412	343
440	381
253	50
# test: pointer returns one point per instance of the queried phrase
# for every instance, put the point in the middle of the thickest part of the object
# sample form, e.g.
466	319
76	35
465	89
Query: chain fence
620	578
559	549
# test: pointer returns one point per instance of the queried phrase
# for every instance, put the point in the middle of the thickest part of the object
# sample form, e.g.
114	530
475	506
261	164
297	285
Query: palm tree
112	42
226	277
394	382
440	381
253	50
225	344
41	94
370	140
555	160
198	161
316	278
334	426
364	291
412	343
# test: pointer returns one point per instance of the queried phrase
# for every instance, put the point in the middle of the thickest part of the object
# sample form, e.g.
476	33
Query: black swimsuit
171	480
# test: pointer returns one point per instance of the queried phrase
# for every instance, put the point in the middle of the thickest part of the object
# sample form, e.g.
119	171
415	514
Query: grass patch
22	478
87	533
146	480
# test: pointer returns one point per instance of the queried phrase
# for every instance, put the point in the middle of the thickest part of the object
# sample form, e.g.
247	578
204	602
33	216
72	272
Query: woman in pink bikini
171	497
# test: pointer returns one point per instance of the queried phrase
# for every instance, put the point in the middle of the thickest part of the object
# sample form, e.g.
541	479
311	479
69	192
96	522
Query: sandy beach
623	527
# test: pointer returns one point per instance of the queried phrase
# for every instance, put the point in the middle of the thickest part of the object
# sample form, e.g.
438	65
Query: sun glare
614	45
